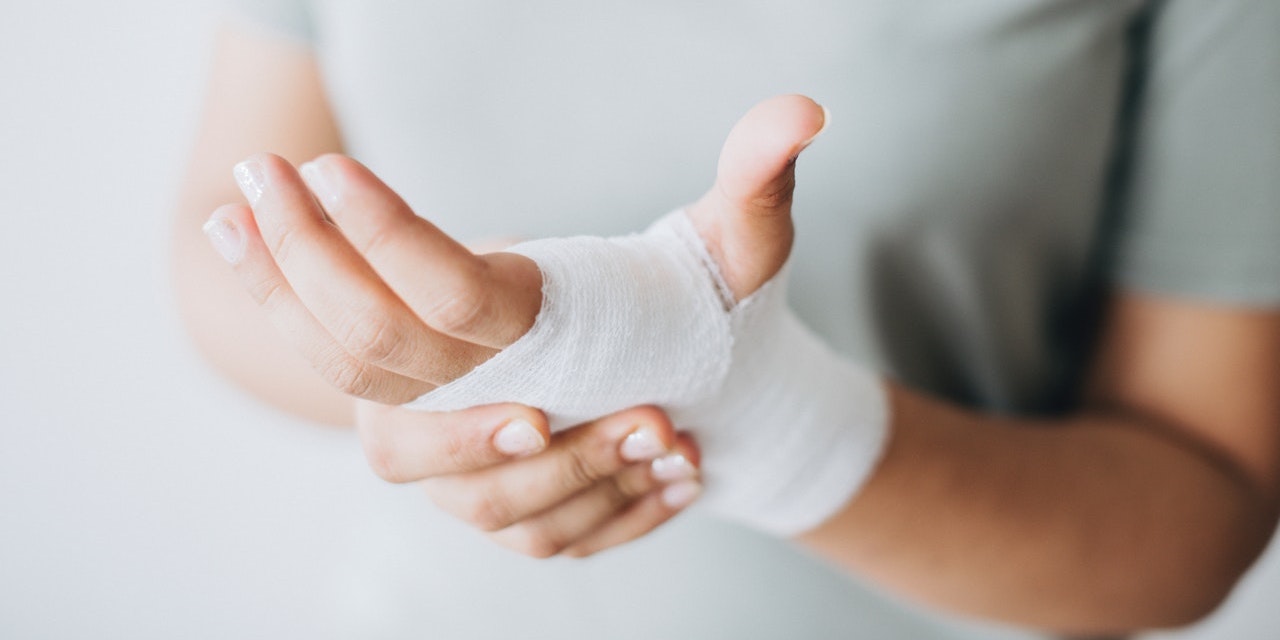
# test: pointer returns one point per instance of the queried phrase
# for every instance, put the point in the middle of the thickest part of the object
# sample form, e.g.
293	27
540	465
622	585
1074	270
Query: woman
1008	214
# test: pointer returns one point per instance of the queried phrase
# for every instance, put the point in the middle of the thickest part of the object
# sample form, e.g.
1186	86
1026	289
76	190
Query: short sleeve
1202	217
288	17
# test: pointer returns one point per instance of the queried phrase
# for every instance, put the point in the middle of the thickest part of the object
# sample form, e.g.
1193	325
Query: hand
378	300
387	307
575	493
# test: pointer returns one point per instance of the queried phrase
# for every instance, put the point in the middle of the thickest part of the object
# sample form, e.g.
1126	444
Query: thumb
745	219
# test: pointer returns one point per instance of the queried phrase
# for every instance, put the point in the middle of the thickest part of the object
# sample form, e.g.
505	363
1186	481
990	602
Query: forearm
1089	524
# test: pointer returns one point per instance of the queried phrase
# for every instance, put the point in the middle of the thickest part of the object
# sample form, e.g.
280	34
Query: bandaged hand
690	316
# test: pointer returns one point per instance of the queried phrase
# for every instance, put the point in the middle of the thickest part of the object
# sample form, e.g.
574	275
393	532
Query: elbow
1210	581
1182	591
1155	608
1205	575
1192	605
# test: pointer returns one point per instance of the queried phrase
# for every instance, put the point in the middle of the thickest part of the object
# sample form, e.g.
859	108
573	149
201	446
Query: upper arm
265	93
1210	374
1193	338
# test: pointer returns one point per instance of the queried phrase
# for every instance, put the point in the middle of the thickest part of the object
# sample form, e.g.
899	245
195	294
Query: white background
140	496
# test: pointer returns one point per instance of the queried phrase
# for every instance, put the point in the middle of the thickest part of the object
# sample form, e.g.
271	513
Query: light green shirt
991	167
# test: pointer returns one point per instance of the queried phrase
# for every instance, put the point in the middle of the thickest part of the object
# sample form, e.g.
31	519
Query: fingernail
826	119
319	177
681	494
519	438
225	237
672	468
642	444
252	180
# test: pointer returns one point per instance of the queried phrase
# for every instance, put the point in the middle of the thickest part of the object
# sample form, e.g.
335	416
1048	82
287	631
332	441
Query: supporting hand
576	492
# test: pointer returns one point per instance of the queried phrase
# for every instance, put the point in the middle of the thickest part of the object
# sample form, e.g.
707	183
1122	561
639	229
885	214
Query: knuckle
350	377
282	243
460	452
370	335
382	237
627	486
777	197
385	467
462	309
580	468
266	291
490	510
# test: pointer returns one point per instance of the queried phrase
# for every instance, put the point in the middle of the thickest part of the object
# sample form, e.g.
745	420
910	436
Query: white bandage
788	430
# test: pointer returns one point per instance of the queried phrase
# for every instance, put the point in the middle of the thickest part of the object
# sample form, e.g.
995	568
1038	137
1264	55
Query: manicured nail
519	438
225	237
681	494
252	180
826	119
642	444
319	177
673	468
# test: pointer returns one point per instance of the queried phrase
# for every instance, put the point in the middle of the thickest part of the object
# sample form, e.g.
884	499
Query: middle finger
338	286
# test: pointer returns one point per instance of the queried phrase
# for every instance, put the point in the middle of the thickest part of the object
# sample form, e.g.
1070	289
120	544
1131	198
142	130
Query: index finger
403	445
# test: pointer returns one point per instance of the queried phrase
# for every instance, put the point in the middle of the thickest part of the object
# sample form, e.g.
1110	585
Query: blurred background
140	495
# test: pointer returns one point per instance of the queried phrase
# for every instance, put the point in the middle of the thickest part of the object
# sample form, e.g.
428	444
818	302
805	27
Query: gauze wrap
788	430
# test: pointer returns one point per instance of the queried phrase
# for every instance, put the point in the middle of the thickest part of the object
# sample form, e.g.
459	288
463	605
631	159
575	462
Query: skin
267	93
1139	510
